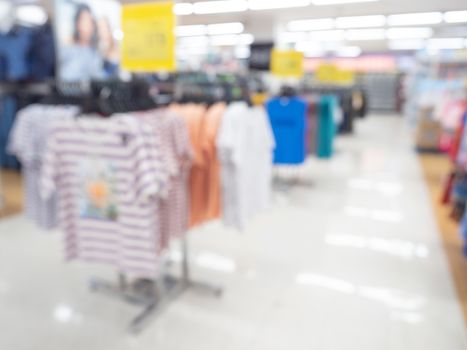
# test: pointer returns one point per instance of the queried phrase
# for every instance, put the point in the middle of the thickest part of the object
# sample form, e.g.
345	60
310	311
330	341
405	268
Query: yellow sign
287	63
330	73
148	37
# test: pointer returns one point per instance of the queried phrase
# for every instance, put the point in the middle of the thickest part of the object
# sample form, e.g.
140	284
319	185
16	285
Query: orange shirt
212	123
194	116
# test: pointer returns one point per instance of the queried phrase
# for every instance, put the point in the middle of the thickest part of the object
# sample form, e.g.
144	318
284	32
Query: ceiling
266	24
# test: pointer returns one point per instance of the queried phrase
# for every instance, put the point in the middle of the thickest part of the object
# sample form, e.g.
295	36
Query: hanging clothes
28	142
178	155
245	147
110	176
194	115
326	126
8	108
211	124
288	120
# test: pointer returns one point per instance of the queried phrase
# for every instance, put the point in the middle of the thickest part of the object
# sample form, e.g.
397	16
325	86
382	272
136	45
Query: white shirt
245	145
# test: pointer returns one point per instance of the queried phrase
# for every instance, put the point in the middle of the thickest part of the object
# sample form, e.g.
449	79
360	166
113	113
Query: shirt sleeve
151	171
50	167
19	138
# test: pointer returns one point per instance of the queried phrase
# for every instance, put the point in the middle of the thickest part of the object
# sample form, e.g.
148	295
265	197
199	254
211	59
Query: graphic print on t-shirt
98	199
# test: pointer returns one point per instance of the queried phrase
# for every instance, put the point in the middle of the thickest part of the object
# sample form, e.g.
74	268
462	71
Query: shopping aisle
352	262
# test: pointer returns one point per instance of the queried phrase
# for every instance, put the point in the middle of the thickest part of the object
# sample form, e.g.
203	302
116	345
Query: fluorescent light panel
31	14
365	34
191	30
292	37
194	41
409	19
361	22
225	28
231	40
276	4
211	29
311	24
338	2
225	6
455	17
328	35
349	51
445	43
183	9
409	33
406	45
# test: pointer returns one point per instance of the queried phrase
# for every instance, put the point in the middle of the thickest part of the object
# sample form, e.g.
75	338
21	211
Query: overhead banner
148	37
287	63
331	73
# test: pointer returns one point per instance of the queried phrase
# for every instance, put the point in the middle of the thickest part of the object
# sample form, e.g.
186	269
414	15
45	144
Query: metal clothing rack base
154	296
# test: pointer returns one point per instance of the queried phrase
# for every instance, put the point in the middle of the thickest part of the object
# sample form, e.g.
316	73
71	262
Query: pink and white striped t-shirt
172	131
110	176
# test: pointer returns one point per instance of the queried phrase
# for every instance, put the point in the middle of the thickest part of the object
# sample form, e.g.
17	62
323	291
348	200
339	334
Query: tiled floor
352	262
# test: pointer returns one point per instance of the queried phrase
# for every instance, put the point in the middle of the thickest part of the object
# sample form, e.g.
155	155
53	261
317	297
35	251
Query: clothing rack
155	296
345	94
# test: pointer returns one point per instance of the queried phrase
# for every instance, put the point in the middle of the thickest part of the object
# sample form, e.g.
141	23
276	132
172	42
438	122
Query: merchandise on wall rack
382	91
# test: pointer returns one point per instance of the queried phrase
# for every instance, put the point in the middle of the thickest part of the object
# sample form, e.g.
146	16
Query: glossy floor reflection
353	261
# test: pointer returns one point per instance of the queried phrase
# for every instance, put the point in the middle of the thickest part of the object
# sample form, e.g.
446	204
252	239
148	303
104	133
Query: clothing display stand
154	296
287	176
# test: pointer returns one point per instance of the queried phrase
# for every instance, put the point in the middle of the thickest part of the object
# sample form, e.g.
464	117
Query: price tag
287	63
148	37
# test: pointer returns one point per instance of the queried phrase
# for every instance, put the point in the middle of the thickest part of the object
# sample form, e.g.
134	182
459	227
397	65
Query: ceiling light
361	22
406	45
409	19
276	4
5	8
311	24
309	46
31	14
246	39
225	28
183	9
185	52
328	35
292	37
409	33
231	40
445	44
194	41
314	53
242	52
349	51
455	17
225	6
338	2
365	34
191	30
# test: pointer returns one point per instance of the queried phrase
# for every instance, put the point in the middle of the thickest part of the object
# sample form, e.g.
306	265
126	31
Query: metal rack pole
155	295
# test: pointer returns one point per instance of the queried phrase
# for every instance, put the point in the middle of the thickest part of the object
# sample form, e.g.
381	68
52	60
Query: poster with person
88	35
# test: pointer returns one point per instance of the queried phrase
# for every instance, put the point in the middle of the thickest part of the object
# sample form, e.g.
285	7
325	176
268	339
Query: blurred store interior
233	174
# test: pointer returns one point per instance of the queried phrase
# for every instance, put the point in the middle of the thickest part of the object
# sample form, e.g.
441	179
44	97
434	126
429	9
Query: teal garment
326	126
